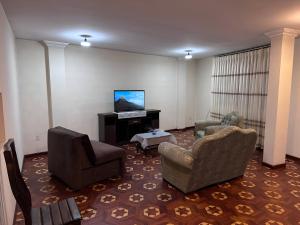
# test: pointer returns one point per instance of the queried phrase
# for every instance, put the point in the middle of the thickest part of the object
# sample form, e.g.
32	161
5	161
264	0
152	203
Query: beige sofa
213	159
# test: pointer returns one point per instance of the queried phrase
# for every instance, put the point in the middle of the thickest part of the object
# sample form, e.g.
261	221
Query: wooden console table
119	131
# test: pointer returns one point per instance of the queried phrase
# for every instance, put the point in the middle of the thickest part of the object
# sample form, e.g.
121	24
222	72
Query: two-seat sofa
78	162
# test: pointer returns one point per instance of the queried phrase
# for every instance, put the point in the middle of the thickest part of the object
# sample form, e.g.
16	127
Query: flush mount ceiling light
188	54
85	42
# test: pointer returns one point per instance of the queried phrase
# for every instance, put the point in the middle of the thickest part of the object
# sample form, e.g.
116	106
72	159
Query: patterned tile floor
262	196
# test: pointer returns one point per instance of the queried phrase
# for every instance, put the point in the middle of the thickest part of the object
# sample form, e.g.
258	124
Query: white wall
9	90
92	74
33	95
203	88
294	117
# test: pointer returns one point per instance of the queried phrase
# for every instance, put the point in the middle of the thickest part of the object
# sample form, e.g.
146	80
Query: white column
56	83
181	94
279	93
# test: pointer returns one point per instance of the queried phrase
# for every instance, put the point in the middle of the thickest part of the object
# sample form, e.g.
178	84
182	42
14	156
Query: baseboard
181	129
35	154
188	128
283	165
293	158
296	159
170	130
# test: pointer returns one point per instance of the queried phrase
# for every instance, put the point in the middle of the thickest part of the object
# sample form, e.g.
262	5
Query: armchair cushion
106	153
176	154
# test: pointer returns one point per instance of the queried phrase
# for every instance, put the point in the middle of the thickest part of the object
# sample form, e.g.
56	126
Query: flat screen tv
129	100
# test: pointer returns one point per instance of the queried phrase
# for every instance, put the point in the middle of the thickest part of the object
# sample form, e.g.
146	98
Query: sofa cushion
230	119
200	134
85	140
226	120
105	152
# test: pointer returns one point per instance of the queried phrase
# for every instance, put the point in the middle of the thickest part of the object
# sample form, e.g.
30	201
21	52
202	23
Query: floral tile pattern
262	196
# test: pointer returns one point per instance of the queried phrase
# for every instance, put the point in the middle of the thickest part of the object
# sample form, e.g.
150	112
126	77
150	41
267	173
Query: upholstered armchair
213	159
203	128
78	161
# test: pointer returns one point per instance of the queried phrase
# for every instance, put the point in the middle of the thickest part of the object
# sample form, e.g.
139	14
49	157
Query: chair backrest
18	185
61	143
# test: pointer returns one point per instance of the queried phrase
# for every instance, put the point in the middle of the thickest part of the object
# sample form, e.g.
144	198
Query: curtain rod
244	50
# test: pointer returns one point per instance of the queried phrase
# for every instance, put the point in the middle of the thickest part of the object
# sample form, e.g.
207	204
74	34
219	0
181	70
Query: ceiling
159	27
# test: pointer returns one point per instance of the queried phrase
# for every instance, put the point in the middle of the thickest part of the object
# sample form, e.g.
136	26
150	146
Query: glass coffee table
150	140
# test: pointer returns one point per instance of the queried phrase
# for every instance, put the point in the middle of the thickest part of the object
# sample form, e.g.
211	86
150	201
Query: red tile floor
262	196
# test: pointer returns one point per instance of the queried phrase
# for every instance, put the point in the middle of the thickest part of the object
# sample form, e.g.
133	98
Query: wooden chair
63	212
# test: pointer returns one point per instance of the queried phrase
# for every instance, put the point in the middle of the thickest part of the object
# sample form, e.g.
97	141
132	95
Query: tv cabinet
119	131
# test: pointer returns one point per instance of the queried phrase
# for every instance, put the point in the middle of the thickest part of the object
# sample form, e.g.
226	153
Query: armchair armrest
201	125
176	154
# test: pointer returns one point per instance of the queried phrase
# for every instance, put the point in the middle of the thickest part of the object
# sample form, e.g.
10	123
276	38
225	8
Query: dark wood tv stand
119	131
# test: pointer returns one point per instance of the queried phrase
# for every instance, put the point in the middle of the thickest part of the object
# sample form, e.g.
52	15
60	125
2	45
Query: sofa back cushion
230	119
84	140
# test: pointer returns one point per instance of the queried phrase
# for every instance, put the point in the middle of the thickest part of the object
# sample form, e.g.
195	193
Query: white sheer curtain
239	83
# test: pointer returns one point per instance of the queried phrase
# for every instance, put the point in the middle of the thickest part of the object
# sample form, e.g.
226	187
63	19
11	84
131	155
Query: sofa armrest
201	125
213	129
176	154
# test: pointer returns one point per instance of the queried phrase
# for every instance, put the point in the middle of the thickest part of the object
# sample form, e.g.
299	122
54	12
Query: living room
192	62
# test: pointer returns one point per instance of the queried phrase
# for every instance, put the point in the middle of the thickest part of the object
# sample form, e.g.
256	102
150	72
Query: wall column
56	82
279	93
181	94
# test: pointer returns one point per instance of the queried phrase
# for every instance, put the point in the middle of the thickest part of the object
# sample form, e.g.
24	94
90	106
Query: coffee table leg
150	149
145	150
138	147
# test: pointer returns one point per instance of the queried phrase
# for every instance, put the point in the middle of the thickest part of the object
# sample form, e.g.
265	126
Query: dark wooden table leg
138	147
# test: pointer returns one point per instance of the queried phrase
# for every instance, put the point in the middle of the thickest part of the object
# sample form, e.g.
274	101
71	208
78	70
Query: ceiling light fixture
188	55
85	42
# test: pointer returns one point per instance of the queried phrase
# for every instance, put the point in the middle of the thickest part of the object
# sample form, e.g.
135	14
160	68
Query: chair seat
60	213
105	152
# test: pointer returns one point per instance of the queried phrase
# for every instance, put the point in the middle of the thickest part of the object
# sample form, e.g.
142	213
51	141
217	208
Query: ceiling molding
55	44
283	31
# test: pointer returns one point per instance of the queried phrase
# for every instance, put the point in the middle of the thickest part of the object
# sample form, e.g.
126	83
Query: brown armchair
78	162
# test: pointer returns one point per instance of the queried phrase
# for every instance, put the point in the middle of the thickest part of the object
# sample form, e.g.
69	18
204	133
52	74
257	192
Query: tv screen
129	100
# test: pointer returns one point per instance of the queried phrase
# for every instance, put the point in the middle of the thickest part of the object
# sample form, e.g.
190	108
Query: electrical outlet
37	138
